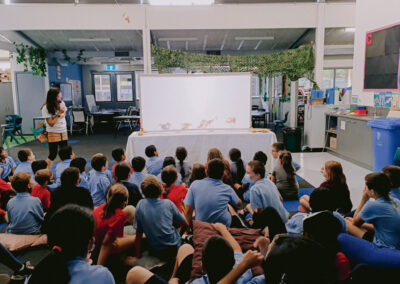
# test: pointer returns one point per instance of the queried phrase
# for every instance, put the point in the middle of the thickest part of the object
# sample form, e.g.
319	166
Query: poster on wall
76	92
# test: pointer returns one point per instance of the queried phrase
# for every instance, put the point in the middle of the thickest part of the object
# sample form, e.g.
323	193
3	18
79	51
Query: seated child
7	165
66	155
237	167
198	173
170	161
209	197
383	214
98	181
26	157
5	194
184	168
263	193
155	218
276	148
393	173
247	183
215	153
173	192
40	190
284	176
25	212
110	220
41	165
80	163
119	157
138	163
154	163
123	173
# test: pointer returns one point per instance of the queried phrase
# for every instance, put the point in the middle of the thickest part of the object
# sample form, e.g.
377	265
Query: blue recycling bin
386	139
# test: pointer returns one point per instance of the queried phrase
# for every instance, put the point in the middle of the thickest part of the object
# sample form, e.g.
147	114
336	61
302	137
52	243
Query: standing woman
54	111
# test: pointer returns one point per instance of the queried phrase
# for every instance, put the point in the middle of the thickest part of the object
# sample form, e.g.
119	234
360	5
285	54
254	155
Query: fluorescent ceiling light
89	39
180	2
350	30
7	2
177	39
254	38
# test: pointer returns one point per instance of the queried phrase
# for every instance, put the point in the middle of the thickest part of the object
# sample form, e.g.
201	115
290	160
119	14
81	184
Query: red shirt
4	186
176	194
342	266
43	194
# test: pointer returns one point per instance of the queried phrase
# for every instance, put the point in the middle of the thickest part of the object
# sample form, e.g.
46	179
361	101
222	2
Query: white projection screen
171	102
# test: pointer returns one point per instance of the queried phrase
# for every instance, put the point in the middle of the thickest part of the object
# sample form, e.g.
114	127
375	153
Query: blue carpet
73	141
293	205
299	178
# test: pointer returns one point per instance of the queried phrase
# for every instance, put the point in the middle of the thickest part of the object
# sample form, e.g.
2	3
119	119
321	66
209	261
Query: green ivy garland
32	57
295	63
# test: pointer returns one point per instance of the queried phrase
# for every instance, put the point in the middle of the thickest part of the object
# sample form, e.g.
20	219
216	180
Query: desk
106	116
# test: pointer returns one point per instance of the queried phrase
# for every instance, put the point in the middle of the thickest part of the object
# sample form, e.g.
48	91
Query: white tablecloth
197	143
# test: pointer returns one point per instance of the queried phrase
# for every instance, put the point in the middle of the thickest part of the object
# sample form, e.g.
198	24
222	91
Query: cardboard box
332	142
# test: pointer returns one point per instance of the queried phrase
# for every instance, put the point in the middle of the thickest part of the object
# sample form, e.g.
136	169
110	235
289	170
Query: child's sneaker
25	271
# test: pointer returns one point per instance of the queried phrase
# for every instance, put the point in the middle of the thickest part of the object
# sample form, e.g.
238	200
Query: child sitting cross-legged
154	163
393	173
119	157
184	168
7	165
198	173
173	192
40	190
138	163
66	155
123	173
99	182
170	161
284	176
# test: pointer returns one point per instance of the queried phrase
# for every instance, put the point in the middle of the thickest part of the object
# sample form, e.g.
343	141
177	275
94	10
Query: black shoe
21	274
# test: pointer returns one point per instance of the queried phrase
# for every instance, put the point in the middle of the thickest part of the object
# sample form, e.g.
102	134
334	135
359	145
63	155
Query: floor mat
10	144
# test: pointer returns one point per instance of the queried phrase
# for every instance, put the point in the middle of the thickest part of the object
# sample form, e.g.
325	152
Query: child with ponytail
184	168
284	176
70	236
173	192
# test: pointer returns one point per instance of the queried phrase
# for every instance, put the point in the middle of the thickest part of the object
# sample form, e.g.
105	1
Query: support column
146	51
319	45
294	89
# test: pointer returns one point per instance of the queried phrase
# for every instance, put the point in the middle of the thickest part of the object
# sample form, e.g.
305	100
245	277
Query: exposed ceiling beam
168	45
240	45
258	44
254	38
205	42
296	43
187	45
177	39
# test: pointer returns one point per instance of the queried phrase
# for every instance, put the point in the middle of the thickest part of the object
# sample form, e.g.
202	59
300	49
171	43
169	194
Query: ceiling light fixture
177	39
7	2
181	2
5	39
89	39
350	30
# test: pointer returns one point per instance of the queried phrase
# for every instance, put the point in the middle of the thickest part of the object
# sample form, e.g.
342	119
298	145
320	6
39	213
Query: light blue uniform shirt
154	165
137	178
260	279
155	217
247	181
25	214
25	167
395	193
60	167
98	186
210	198
178	180
7	167
107	172
263	194
385	216
244	279
84	181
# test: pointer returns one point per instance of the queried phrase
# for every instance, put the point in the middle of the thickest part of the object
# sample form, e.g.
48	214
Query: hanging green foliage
33	58
295	63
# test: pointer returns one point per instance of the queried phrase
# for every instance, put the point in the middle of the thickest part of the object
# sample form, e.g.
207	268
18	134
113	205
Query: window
329	78
102	88
124	88
337	78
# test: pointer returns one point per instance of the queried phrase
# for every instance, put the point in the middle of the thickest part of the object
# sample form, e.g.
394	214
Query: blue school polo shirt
98	186
107	172
137	178
7	167
395	193
155	217
385	216
178	180
25	167
247	180
84	181
154	165
263	194
210	198
25	214
260	279
243	279
60	167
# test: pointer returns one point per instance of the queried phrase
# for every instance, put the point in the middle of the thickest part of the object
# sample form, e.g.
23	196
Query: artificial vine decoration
33	58
294	63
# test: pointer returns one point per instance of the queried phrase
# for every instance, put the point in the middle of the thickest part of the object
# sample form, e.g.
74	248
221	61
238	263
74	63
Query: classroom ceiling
145	1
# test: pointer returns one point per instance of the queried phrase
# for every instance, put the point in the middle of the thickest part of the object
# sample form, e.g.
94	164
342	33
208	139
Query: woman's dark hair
38	165
79	163
380	183
122	171
169	175
51	100
393	173
298	260
287	165
235	156
70	177
198	172
217	258
116	196
138	163
261	156
70	230
181	155
169	161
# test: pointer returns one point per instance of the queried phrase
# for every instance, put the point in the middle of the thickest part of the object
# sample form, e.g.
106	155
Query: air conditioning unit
121	53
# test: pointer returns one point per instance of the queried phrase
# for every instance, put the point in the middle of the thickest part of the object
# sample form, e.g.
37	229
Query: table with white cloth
197	143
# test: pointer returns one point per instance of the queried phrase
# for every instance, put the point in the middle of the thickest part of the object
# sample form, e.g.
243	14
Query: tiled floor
311	164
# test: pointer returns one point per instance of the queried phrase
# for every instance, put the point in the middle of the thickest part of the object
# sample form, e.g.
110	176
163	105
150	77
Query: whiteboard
66	91
195	101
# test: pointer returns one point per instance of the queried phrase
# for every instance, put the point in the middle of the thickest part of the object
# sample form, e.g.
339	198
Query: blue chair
13	126
278	125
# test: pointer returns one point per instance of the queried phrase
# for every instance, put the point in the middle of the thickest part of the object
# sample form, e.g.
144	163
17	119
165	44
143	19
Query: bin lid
385	123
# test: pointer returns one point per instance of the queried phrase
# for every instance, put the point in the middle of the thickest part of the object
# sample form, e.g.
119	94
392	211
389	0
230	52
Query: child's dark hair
261	157
122	171
20	181
150	151
169	175
43	176
24	154
169	161
393	173
98	161
198	172
279	146
258	168
117	154
79	163
69	232
322	199
236	156
38	165
65	153
215	168
287	165
116	196
151	187
1	149
380	183
181	155
217	258
70	177
138	163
